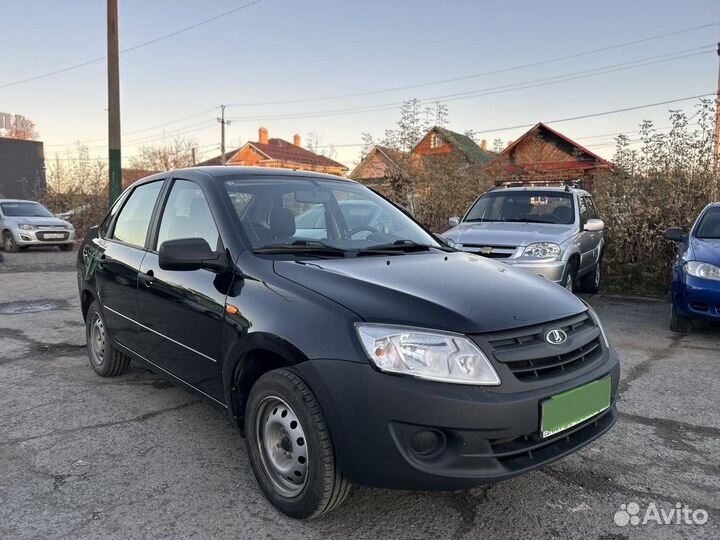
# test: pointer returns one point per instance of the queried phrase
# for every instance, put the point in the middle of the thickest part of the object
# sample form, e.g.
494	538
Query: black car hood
459	292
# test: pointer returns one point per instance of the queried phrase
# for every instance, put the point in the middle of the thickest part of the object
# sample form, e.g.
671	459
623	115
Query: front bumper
43	237
485	434
697	297
552	270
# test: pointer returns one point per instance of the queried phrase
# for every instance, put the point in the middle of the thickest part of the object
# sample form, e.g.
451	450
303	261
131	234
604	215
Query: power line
129	49
477	75
601	70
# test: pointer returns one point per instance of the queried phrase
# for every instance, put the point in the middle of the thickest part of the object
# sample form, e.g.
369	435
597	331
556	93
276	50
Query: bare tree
23	129
165	157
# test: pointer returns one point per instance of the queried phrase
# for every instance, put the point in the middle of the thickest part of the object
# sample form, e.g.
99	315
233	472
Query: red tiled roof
281	150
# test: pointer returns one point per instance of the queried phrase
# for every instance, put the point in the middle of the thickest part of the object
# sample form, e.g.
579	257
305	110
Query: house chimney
296	139
263	135
483	144
510	142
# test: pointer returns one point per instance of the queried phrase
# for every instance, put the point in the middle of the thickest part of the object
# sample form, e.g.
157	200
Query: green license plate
568	409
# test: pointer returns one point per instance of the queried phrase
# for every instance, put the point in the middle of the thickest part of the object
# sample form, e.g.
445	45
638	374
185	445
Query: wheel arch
259	354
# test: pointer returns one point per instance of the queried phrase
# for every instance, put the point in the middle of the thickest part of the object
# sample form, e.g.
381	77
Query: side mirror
454	221
190	254
594	225
676	234
445	241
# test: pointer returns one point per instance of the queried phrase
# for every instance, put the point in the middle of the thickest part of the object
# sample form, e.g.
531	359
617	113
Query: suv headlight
426	354
27	227
703	270
542	250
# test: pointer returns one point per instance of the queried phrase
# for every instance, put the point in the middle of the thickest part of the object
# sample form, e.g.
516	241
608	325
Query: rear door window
132	223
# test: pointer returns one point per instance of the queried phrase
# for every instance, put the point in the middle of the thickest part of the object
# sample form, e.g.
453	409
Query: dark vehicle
696	271
378	358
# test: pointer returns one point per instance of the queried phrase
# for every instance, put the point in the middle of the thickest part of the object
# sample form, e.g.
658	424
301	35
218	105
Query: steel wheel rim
282	444
597	276
96	339
569	282
8	243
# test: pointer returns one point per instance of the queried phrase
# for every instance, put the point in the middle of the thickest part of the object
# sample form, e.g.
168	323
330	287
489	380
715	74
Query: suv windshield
294	212
24	209
709	227
524	206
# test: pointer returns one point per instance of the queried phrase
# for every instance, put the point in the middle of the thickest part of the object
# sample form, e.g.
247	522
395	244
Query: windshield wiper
406	246
476	220
301	246
527	221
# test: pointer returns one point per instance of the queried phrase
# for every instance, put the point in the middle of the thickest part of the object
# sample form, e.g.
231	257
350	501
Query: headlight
703	270
542	250
26	227
596	319
426	354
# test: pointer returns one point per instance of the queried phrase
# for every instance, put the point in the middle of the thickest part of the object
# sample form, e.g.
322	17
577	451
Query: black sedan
374	354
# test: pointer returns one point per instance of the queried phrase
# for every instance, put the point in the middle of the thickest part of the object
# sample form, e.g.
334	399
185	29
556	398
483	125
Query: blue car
696	271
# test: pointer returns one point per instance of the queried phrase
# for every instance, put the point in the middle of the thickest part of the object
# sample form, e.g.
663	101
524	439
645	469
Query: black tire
66	247
312	483
104	358
679	323
590	283
9	243
570	276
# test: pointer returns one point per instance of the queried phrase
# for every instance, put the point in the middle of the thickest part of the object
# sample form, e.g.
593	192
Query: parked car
696	271
553	232
28	223
384	359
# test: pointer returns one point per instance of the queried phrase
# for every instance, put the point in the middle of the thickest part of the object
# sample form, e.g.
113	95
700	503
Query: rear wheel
290	448
9	243
104	358
590	283
679	323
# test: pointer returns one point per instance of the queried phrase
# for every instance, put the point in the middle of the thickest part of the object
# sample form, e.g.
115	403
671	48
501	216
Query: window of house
435	140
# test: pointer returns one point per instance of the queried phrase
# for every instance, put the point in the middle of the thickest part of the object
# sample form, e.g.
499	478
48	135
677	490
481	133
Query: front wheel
679	323
290	448
9	243
570	276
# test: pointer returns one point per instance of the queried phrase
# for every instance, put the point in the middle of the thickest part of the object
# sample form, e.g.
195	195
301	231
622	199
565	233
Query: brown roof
217	160
281	150
540	125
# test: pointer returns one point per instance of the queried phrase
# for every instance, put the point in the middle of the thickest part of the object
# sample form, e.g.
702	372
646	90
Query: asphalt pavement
136	457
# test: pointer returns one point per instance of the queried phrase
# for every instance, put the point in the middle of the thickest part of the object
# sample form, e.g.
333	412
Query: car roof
540	188
222	171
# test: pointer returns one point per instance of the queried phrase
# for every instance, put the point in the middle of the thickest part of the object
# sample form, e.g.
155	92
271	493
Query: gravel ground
136	457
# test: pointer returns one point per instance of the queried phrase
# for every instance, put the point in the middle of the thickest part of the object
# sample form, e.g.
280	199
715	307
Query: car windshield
286	213
24	209
524	206
709	226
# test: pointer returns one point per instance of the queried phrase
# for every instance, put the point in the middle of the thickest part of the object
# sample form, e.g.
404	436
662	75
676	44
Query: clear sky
281	50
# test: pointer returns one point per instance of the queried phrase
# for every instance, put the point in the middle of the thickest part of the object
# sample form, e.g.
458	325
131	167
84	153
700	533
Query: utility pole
223	123
717	118
193	155
113	66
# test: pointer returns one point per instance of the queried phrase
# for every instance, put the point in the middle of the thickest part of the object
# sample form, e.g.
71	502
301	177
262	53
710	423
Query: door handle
148	278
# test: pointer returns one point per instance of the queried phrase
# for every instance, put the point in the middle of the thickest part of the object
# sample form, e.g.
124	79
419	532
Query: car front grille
530	357
492	252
